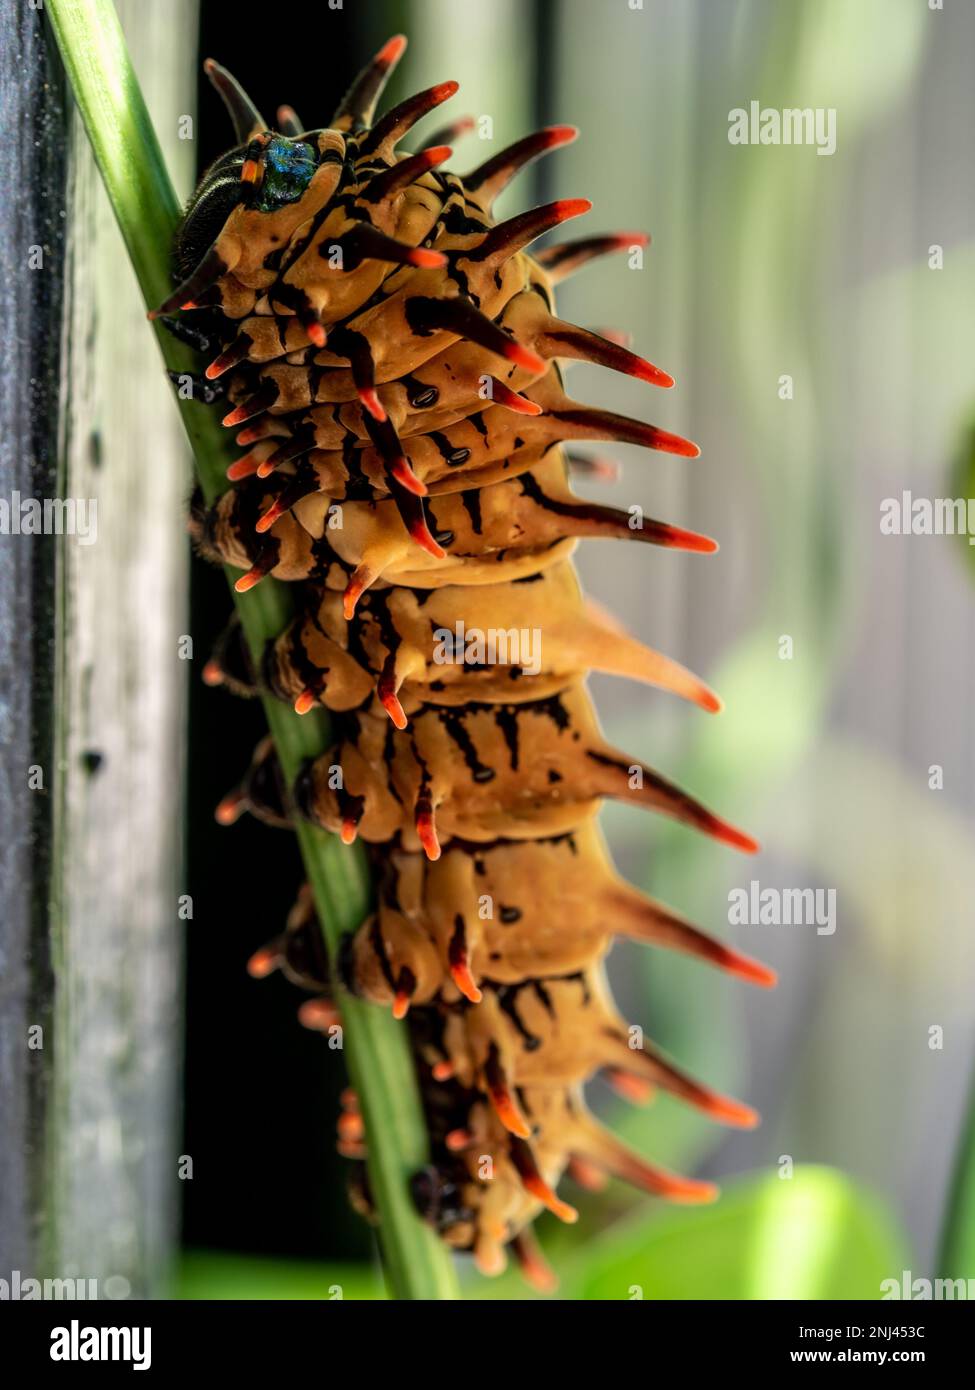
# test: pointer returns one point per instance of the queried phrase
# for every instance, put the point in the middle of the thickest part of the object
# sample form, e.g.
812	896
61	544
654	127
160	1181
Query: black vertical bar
545	36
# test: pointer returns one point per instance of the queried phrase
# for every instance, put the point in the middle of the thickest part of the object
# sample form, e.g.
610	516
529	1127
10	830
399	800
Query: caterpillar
390	355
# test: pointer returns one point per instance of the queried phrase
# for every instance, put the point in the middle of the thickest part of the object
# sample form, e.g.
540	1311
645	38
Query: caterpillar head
251	200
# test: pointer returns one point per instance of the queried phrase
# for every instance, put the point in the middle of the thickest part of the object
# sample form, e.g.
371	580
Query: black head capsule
287	170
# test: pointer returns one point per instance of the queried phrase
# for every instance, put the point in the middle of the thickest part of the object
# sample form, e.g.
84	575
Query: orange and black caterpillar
392	356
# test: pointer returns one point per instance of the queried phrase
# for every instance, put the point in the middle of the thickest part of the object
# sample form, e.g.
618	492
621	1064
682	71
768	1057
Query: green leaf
815	1235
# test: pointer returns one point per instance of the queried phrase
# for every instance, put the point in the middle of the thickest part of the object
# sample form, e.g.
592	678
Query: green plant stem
128	155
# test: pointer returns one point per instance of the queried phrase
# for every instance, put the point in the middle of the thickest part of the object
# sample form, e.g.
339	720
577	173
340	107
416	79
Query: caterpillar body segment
505	1124
508	530
524	909
490	770
497	442
511	642
391	359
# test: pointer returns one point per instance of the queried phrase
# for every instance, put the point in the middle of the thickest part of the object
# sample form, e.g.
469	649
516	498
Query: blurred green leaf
957	1259
817	1235
963	479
